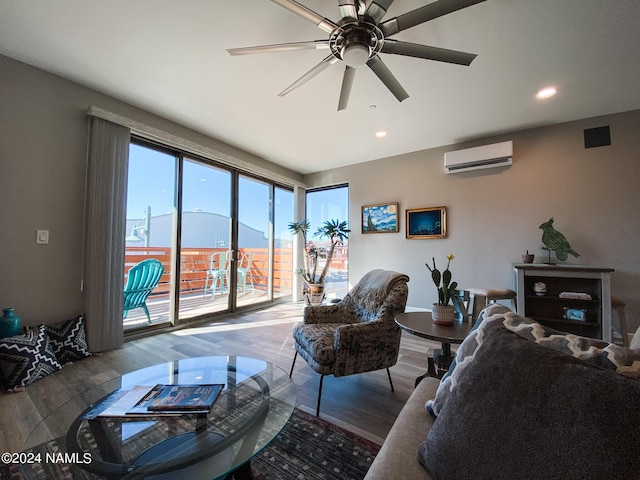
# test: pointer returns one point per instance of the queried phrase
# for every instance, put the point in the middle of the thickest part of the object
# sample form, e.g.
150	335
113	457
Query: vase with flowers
443	313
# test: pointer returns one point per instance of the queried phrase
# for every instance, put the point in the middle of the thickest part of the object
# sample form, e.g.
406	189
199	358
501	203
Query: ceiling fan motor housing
356	43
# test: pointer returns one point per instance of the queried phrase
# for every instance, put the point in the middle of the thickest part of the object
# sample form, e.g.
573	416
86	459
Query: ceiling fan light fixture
356	54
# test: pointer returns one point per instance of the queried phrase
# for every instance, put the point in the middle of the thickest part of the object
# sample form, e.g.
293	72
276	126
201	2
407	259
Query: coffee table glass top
255	404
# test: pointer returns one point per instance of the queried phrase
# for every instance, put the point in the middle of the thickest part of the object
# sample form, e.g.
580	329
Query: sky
152	178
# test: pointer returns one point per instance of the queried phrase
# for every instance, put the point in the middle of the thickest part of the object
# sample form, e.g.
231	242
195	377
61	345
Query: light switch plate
42	237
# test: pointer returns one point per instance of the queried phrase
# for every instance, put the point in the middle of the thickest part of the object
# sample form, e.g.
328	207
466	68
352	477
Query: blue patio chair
218	267
141	280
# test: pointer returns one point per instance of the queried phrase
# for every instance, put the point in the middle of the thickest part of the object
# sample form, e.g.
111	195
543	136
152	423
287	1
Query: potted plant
443	313
337	232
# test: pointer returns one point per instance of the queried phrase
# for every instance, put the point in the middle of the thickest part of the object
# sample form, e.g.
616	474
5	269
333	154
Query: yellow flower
450	257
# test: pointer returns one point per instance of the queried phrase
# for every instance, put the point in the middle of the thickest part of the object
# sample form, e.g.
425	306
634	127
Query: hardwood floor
362	403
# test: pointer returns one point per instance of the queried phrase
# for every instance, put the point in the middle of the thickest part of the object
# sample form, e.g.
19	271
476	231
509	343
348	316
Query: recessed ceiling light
546	92
381	134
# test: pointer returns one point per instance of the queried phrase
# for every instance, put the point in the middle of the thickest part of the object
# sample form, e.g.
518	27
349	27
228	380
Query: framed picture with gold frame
380	218
426	223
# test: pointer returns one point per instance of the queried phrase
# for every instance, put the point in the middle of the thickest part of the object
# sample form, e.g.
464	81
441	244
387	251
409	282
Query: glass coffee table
255	404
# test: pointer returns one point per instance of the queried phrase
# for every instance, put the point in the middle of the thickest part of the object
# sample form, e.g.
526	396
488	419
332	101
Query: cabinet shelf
571	301
549	309
546	320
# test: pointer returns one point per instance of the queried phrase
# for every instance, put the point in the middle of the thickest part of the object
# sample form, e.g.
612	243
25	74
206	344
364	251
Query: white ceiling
169	57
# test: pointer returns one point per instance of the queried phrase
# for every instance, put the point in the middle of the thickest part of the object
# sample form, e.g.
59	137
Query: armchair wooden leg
319	395
390	382
293	364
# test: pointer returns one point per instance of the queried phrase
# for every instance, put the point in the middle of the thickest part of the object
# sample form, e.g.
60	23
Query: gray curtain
107	168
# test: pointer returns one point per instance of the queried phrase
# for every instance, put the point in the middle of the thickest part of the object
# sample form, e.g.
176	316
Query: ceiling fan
360	35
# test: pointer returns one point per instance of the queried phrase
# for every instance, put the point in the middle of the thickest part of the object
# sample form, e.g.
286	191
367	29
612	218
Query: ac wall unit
486	156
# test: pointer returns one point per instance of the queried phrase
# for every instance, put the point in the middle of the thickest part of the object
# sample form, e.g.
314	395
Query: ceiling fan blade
308	14
347	83
330	60
424	14
385	75
377	9
427	52
280	47
348	9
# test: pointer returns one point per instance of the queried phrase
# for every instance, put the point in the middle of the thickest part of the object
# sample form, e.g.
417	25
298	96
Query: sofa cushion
489	318
592	350
68	340
26	358
564	419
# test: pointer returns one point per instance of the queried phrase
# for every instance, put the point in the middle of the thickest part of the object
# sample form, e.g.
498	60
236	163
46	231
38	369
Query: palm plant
335	230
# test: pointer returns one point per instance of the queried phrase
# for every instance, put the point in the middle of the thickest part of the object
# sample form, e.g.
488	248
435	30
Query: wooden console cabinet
551	310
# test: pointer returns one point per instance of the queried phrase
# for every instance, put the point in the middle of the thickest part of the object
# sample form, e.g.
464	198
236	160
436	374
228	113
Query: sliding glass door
205	239
150	208
211	228
254	246
283	280
331	203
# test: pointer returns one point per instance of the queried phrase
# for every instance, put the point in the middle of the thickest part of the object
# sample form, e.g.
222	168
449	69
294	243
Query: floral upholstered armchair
358	334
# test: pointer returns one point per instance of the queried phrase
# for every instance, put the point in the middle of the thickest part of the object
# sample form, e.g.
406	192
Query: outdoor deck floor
196	304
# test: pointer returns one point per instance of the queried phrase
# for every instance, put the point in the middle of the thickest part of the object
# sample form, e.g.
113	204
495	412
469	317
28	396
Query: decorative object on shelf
9	324
443	313
380	218
576	295
426	223
556	241
539	288
527	257
337	232
576	314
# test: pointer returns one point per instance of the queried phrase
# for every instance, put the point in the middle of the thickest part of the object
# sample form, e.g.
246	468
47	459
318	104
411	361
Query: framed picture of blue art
380	218
427	223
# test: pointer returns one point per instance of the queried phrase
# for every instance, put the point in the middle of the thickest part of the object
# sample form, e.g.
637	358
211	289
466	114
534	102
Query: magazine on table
158	400
178	398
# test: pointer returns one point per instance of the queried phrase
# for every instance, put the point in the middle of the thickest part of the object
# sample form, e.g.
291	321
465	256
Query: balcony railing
194	263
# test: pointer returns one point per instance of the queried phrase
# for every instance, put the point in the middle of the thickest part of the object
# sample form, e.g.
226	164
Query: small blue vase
9	324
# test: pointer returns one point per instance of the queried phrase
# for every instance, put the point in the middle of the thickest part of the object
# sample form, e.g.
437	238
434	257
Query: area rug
308	448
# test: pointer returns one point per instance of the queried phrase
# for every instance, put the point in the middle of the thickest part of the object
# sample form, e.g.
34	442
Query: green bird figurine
554	240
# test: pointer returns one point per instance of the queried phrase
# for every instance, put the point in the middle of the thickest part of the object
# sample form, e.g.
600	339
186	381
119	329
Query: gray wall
43	142
493	215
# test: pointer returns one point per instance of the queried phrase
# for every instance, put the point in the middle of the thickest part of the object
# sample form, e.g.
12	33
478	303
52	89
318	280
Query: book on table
159	400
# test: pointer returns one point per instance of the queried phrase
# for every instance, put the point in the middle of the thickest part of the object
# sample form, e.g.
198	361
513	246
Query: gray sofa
397	458
522	401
